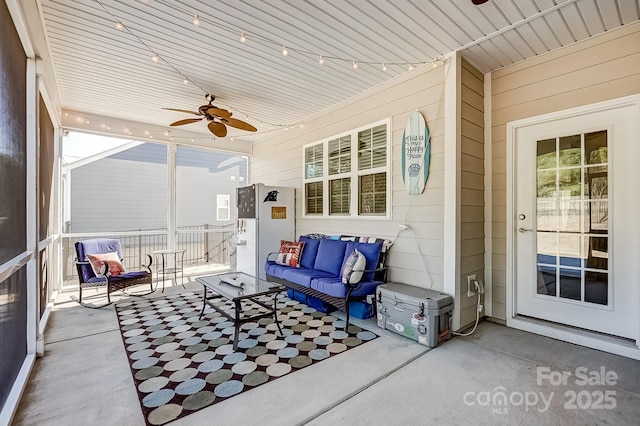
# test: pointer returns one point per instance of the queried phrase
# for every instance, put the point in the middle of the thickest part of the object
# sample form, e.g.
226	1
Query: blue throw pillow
330	256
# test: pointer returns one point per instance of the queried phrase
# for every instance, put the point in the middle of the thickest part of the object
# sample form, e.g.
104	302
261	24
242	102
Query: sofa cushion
310	251
355	262
330	256
272	268
290	253
335	287
371	252
303	276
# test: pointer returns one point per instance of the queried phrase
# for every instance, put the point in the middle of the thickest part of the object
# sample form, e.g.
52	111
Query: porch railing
203	244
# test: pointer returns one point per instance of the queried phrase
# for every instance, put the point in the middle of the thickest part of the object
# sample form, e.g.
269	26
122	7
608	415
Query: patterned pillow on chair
290	253
98	260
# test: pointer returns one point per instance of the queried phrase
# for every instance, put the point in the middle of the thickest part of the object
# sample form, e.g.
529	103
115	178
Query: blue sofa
319	275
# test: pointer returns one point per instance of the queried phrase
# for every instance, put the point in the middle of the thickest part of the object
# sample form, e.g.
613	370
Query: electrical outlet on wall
471	286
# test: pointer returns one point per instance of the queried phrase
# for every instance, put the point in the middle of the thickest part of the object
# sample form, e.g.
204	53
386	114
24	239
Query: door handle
524	230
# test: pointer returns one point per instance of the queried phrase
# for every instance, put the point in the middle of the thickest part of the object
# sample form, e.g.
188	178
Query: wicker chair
111	281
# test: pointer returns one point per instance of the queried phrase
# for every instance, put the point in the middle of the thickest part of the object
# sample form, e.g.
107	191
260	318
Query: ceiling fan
218	118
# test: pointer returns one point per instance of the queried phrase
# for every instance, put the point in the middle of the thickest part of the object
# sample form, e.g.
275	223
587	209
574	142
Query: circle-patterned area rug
181	364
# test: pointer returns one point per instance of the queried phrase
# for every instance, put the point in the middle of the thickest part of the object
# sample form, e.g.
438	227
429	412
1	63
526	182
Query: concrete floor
84	378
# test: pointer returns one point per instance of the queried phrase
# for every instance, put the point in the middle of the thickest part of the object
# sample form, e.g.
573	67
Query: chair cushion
95	246
290	253
99	260
371	252
335	287
310	251
356	262
330	256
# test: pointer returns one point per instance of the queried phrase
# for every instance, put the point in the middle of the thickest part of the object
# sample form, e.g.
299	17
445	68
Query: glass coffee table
238	287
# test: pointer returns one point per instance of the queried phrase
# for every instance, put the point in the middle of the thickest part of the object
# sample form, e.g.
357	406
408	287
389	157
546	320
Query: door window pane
546	280
546	154
570	283
596	287
569	151
595	146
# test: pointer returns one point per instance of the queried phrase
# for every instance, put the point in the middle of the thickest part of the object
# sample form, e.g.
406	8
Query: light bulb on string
384	67
196	20
354	65
410	67
321	60
185	81
155	58
119	25
285	51
243	38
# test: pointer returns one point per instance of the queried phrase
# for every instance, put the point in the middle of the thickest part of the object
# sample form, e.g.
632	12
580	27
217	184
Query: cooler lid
410	294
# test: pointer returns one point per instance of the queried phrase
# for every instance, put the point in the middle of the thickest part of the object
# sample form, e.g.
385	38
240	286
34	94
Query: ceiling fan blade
219	112
182	110
238	124
218	129
185	121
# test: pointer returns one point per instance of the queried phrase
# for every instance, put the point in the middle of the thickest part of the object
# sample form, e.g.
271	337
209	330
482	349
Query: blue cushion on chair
303	276
330	256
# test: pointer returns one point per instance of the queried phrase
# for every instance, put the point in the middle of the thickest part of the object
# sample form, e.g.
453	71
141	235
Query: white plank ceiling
109	72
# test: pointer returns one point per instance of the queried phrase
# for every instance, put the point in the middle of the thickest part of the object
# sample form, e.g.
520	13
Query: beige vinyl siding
471	186
602	68
278	161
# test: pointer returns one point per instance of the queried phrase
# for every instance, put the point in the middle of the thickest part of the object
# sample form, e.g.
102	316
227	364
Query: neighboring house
126	189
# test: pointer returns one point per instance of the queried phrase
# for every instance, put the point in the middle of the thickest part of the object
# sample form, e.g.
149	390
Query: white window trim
354	174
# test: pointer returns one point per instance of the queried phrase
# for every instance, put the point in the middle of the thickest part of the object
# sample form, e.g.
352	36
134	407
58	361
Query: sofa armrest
270	254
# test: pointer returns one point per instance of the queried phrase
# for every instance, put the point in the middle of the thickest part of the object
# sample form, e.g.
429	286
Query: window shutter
340	155
372	148
313	161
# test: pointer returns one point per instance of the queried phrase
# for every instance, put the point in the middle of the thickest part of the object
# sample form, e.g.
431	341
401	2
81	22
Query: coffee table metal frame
237	287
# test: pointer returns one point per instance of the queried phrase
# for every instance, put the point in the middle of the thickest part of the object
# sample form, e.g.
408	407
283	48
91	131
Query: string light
410	67
354	65
185	79
321	60
384	67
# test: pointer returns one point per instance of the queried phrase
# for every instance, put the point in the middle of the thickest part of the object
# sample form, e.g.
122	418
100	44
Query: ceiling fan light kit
218	118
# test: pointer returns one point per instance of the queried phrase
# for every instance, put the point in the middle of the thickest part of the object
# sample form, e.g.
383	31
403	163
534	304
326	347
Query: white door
576	220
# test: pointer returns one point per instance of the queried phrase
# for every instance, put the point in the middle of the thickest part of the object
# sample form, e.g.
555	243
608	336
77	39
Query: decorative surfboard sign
416	154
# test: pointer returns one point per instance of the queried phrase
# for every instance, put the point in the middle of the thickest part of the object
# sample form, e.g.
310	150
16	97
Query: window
224	203
346	175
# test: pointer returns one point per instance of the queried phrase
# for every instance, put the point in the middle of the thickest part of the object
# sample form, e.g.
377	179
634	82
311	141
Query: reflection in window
572	217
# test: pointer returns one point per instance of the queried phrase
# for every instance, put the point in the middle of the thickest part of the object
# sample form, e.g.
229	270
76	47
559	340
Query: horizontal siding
278	161
602	68
471	186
